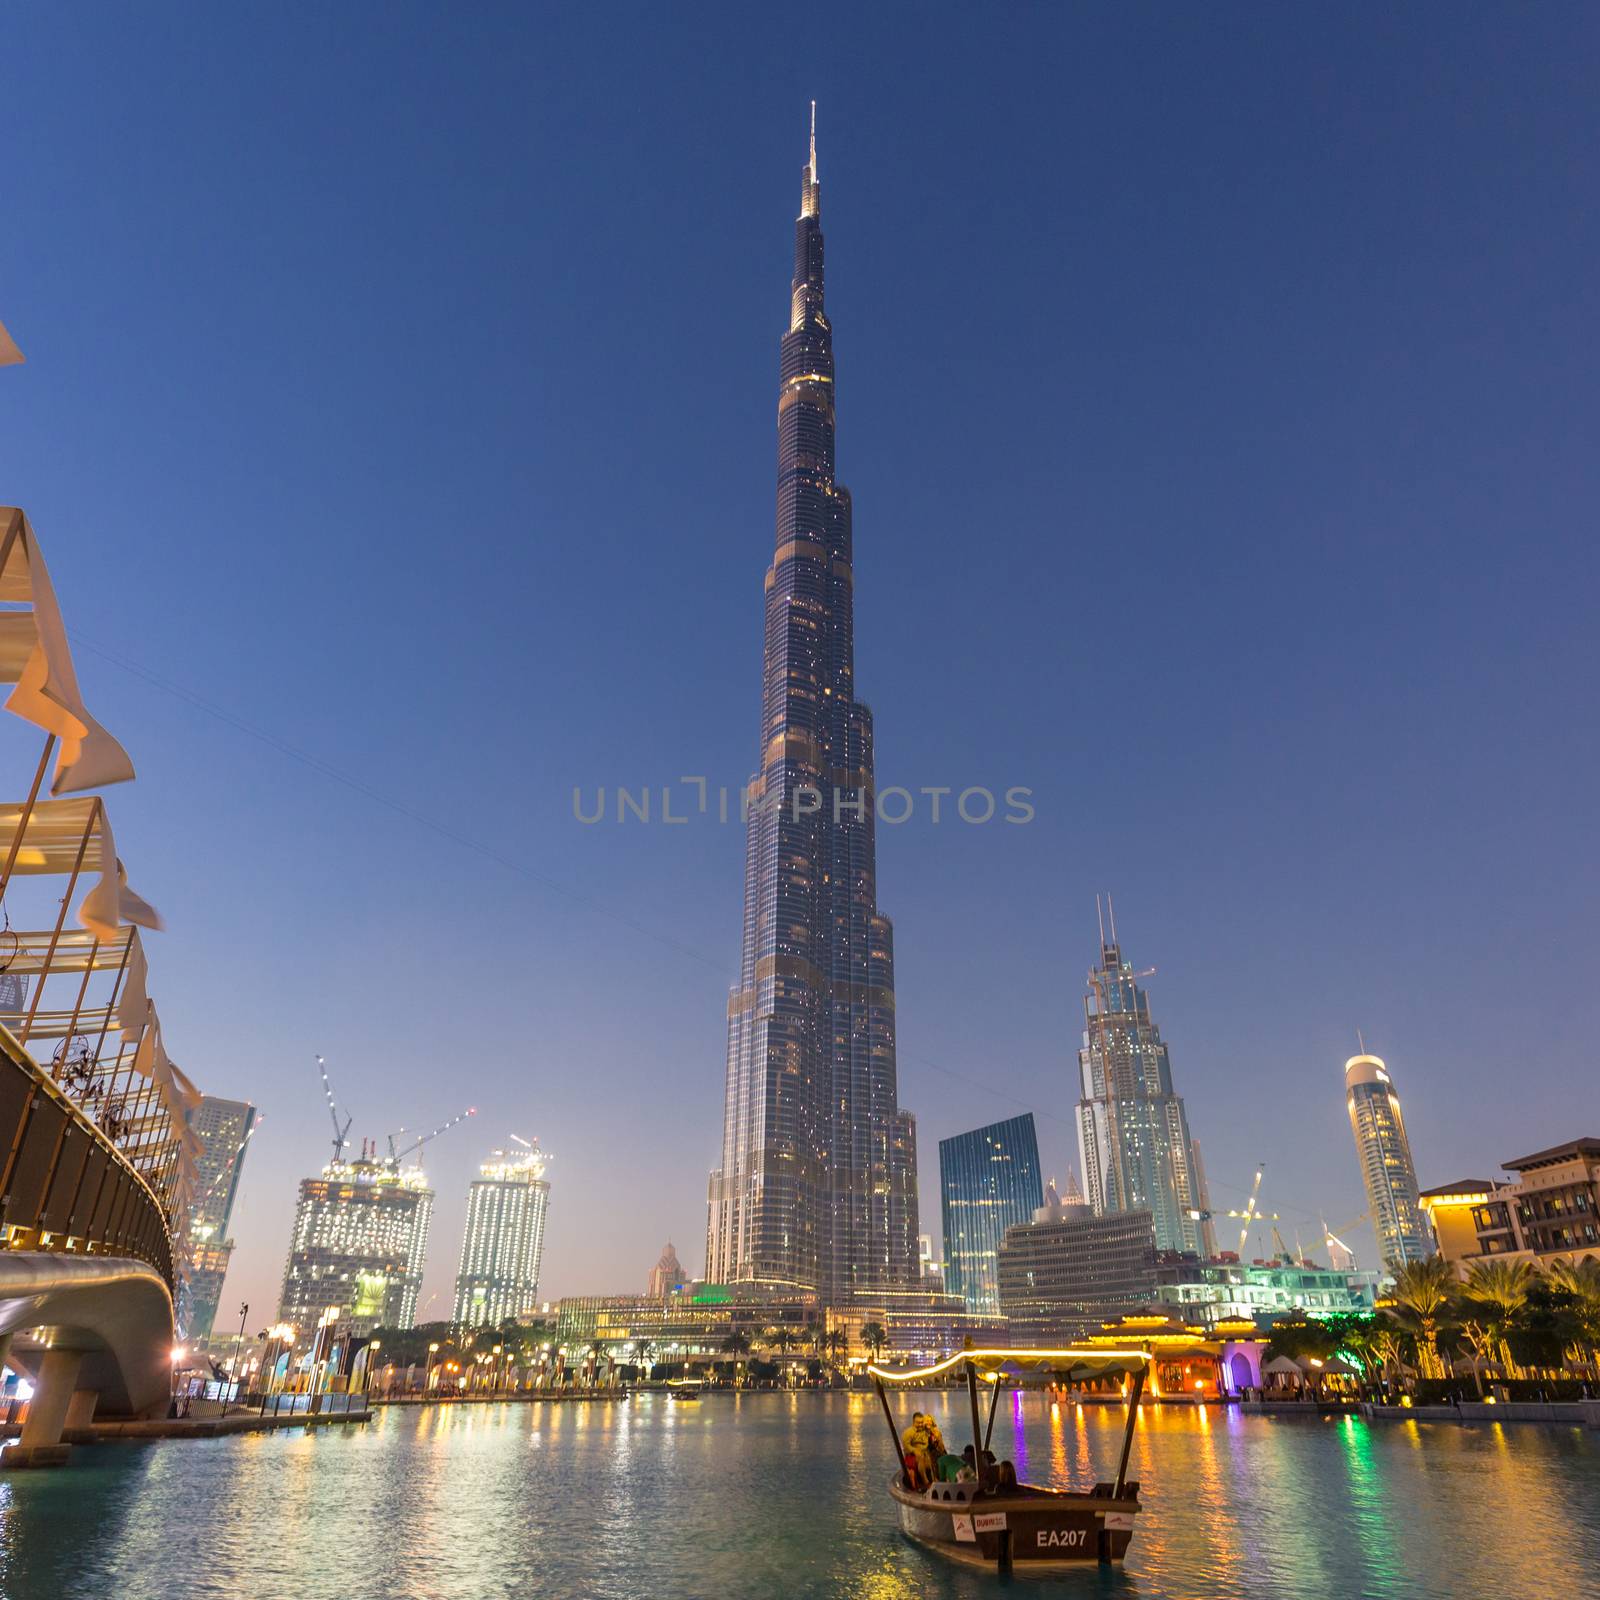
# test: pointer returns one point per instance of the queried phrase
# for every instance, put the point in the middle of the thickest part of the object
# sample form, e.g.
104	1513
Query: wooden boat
993	1521
682	1389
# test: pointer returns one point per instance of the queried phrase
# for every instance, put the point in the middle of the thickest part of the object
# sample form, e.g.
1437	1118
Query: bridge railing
65	1186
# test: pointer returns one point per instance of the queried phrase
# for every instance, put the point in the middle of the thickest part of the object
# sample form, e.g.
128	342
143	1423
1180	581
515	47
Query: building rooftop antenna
341	1131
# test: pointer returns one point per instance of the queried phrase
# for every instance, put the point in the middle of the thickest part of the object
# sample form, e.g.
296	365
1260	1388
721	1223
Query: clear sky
1217	391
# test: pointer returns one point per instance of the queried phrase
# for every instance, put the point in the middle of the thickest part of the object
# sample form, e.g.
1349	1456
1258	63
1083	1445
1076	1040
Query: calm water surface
784	1496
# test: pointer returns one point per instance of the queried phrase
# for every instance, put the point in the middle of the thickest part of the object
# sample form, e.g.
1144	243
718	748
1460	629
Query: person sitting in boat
920	1455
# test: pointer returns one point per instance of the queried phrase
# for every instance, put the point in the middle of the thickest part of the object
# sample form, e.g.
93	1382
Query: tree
782	1339
1421	1295
875	1337
838	1344
1580	1281
737	1345
643	1349
1491	1298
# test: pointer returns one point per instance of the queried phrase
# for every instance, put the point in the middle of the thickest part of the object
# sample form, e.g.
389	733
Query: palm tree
1421	1292
1499	1290
643	1349
1581	1280
838	1344
737	1345
782	1339
874	1336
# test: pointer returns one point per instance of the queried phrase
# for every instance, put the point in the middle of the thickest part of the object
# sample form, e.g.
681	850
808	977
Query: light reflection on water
784	1495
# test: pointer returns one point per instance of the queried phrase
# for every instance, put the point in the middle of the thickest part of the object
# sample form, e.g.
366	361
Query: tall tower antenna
813	143
1360	1041
1111	911
1100	917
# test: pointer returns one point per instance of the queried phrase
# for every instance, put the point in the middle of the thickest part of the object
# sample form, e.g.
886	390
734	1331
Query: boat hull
1031	1530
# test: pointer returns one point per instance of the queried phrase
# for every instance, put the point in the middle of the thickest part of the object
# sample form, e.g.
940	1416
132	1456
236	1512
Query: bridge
96	1154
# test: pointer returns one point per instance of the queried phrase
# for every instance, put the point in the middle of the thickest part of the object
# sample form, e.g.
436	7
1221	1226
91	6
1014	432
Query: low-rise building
1211	1292
1549	1210
1066	1271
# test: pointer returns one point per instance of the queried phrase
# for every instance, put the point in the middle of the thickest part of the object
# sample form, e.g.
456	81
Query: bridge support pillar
80	1409
40	1444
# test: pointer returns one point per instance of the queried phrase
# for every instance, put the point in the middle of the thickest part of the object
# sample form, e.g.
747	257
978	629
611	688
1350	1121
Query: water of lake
784	1496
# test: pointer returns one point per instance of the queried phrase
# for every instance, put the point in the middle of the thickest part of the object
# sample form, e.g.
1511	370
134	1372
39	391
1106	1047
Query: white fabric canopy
46	692
55	834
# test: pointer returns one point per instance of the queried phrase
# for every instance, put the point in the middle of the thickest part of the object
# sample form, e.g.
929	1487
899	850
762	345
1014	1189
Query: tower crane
1252	1213
397	1156
341	1131
1329	1237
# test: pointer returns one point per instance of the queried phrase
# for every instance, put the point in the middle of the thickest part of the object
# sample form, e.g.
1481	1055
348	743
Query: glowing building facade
359	1244
224	1128
504	1244
817	1184
1386	1165
1133	1131
988	1181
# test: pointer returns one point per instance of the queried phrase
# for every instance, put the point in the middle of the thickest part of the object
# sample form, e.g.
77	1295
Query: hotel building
504	1244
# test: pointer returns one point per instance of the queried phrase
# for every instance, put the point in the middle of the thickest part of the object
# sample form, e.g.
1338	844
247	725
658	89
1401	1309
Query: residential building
988	1181
816	1187
1065	1271
224	1128
1549	1210
359	1245
1133	1131
1386	1166
498	1280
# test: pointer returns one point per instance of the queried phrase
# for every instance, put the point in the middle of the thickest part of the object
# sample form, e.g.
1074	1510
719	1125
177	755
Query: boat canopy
1021	1365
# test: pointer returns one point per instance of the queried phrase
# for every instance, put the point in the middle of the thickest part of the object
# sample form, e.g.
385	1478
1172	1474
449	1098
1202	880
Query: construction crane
1329	1237
341	1131
397	1156
1252	1213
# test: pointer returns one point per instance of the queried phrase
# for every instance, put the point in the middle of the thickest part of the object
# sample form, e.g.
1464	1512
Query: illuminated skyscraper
1133	1132
504	1244
224	1128
1386	1167
988	1182
359	1244
817	1184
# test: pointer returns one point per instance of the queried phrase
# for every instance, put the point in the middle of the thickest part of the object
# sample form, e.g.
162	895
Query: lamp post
244	1311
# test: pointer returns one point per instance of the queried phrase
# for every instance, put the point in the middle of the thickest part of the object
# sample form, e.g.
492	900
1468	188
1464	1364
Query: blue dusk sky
1217	389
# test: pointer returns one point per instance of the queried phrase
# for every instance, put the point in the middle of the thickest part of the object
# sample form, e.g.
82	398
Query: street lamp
427	1375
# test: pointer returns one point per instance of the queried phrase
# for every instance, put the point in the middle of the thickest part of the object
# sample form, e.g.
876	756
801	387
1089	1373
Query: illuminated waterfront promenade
784	1495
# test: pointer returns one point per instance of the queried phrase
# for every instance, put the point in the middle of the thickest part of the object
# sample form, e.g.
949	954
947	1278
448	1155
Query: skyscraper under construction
817	1185
1133	1132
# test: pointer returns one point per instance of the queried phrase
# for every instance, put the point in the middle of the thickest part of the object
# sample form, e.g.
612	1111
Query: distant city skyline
1250	529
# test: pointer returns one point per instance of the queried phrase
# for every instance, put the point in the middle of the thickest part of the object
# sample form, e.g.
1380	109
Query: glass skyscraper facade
224	1130
817	1182
1133	1132
504	1243
1386	1166
988	1181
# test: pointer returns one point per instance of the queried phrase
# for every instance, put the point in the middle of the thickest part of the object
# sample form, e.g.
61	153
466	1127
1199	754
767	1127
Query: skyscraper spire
813	143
